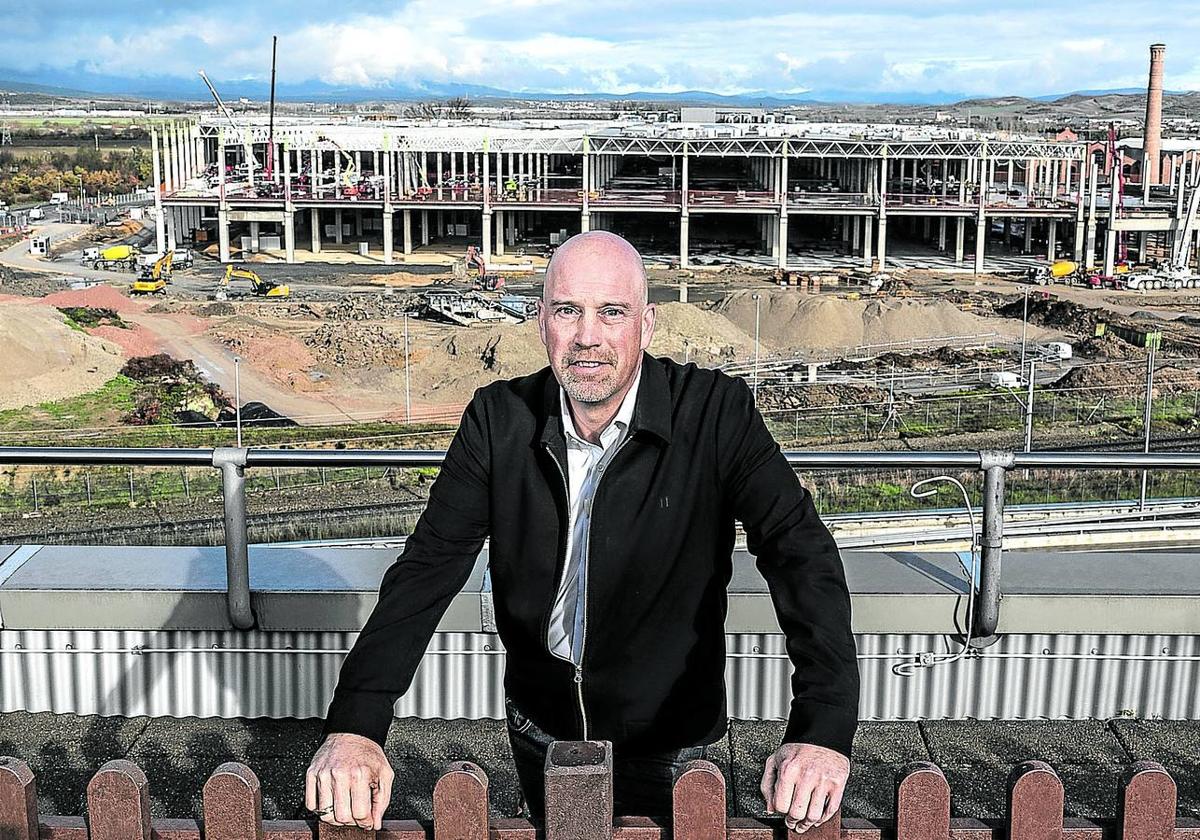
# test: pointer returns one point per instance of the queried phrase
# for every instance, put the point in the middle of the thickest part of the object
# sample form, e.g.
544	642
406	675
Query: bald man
609	483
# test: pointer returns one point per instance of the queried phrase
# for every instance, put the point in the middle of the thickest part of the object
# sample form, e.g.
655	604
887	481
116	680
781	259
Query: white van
1004	379
1059	349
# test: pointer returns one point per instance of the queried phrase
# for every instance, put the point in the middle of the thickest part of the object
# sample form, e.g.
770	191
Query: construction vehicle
1059	271
113	258
259	286
153	279
484	282
1176	273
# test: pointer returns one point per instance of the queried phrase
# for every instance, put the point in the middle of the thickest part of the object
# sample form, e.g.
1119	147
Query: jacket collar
651	411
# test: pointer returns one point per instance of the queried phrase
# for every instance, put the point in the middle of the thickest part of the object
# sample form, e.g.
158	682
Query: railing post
18	800
118	803
579	791
231	461
232	804
698	802
460	803
994	465
922	803
1146	809
1035	802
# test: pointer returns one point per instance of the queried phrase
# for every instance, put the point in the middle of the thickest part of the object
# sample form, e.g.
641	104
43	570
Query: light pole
237	396
1151	345
757	312
407	377
1024	327
1029	408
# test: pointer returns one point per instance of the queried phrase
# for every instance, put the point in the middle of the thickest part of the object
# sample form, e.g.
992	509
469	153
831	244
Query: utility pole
1024	326
757	310
1029	408
407	376
1152	340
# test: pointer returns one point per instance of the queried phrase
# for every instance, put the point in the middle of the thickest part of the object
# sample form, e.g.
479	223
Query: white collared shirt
585	465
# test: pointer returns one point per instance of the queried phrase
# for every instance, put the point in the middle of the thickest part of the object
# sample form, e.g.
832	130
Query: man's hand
805	783
349	782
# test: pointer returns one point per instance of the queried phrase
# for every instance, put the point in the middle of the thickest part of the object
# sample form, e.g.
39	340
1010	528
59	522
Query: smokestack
1152	141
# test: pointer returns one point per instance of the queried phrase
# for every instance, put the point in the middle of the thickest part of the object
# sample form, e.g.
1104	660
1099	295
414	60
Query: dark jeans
641	786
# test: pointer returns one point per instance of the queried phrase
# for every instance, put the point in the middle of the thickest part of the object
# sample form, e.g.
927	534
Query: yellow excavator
260	287
154	278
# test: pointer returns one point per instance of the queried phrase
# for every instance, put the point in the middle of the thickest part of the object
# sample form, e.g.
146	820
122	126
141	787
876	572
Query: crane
250	158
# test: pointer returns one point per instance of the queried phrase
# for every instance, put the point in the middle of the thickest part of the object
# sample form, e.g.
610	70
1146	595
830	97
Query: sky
874	49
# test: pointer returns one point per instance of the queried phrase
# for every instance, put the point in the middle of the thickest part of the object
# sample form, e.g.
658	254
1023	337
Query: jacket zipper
583	640
578	668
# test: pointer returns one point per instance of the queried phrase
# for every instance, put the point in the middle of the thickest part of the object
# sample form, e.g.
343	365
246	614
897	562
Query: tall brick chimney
1152	140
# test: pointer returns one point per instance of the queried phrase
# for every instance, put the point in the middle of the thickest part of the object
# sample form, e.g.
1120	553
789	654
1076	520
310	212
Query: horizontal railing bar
150	456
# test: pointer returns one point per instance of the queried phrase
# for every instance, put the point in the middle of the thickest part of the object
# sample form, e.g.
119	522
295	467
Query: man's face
593	320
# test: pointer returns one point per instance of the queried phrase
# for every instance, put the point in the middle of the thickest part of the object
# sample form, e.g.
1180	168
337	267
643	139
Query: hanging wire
929	659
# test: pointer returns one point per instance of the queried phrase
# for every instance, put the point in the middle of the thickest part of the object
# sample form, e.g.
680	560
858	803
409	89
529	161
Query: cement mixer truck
113	258
1059	271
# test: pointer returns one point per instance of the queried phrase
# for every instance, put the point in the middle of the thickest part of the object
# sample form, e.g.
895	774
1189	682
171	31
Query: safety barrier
233	462
579	806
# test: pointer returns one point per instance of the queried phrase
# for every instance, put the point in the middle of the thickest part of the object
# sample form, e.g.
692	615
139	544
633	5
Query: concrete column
170	230
1052	240
856	234
868	256
1027	247
337	221
499	220
254	246
315	216
168	160
942	232
289	237
683	241
981	234
781	239
1110	252
881	249
406	190
156	165
960	237
388	236
424	227
358	228
408	238
1089	243
439	183
486	238
223	234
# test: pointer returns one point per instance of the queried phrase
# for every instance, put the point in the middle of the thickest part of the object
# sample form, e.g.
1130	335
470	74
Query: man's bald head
595	319
597	252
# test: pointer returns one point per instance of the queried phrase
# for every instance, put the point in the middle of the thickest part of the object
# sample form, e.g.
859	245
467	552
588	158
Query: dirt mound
1056	313
46	360
96	297
27	283
818	396
368	308
357	345
1130	379
791	321
704	336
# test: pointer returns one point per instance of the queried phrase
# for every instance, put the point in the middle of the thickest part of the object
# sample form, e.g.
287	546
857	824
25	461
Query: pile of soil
96	297
1130	380
1056	313
809	322
368	345
45	359
368	308
818	396
27	283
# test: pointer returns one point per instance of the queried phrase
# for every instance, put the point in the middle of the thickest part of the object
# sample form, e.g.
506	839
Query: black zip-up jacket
697	456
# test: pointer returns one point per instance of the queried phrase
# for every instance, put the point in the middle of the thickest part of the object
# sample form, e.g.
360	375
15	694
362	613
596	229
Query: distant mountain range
76	84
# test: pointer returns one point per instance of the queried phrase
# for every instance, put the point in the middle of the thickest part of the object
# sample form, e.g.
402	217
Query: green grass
114	398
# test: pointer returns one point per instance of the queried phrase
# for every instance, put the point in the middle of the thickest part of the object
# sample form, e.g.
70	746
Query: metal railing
233	463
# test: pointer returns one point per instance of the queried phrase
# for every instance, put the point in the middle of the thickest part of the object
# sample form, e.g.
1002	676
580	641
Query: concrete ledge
334	589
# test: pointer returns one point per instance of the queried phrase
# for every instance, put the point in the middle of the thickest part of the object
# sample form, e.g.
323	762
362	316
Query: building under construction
768	193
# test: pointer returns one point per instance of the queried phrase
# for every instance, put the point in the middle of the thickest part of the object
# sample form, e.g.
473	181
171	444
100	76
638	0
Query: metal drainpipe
994	464
231	461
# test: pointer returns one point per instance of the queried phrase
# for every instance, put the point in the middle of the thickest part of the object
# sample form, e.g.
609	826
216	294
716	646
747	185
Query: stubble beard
591	389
